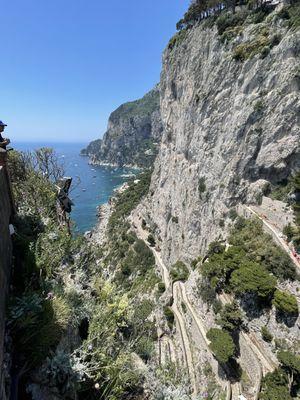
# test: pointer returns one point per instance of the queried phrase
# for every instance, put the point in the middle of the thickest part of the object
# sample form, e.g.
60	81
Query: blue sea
92	185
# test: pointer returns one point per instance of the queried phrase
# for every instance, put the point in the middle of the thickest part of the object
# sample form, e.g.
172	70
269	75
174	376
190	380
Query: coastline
98	234
109	164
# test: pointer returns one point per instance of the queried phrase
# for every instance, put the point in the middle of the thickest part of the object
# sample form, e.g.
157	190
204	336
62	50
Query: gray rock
133	134
230	129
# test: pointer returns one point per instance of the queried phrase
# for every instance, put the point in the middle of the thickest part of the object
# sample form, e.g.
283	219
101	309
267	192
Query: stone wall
6	211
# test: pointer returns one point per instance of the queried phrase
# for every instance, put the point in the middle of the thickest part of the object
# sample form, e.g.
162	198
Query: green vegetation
144	106
275	386
60	288
255	46
161	287
151	240
230	318
201	186
221	344
254	279
266	335
285	303
169	316
128	200
284	382
291	14
228	22
259	247
177	39
179	272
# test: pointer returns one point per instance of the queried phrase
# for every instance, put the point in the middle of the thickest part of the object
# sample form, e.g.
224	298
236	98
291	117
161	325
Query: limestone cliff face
133	134
231	128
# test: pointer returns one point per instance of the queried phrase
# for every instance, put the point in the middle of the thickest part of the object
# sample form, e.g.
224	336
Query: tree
275	386
231	318
252	278
221	344
291	364
179	272
285	303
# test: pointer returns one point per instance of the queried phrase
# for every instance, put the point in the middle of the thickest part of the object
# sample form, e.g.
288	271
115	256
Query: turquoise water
92	185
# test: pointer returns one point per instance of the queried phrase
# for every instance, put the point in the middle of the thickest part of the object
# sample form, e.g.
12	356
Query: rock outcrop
231	128
133	134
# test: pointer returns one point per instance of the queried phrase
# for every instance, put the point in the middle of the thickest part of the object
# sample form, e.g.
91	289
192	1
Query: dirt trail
180	296
186	347
267	364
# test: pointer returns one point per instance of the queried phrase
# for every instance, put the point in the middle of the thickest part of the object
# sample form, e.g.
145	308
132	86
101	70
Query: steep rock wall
133	134
230	129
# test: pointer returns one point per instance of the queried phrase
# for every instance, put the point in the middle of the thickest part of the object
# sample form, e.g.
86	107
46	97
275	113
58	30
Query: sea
91	186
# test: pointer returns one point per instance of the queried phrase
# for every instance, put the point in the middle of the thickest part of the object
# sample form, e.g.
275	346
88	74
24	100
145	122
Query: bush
289	232
169	316
151	240
266	335
253	278
275	386
161	287
144	348
259	247
285	303
219	267
179	272
201	185
221	344
231	318
232	214
290	362
229	20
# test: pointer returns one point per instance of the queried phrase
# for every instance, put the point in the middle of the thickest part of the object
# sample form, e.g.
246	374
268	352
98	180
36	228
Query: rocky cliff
133	134
230	108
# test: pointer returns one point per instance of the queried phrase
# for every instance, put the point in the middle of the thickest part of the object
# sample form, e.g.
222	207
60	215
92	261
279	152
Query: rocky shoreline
98	234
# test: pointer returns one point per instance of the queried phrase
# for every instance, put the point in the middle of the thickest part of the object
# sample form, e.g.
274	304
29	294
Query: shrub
161	287
259	247
266	335
253	278
144	348
289	232
290	362
151	240
201	185
232	214
220	266
275	386
221	344
285	303
228	21
231	318
169	316
179	272
175	220
215	248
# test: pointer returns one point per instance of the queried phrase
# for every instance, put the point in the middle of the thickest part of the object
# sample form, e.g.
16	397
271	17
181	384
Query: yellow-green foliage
249	49
33	181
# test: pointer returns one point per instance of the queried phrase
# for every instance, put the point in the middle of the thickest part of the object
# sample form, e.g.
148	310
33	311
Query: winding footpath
178	291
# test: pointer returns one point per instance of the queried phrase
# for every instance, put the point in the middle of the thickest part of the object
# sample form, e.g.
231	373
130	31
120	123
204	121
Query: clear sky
67	64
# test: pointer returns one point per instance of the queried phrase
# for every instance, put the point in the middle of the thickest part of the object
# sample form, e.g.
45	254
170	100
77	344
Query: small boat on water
84	190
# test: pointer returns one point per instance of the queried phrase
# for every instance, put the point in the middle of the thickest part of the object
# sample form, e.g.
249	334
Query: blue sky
65	65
